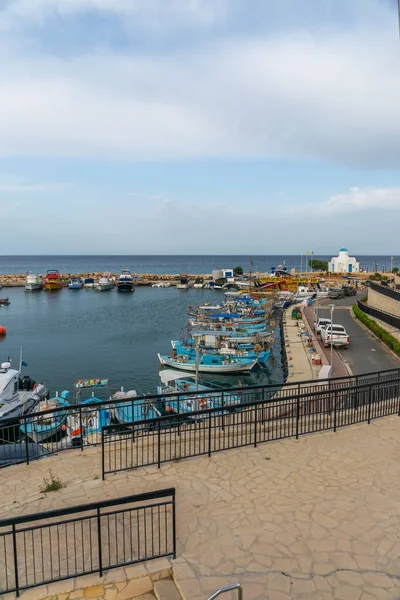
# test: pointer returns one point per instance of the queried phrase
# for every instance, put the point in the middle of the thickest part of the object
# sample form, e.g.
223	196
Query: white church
344	263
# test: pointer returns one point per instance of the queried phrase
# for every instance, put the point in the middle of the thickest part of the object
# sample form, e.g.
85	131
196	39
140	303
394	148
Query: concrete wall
383	302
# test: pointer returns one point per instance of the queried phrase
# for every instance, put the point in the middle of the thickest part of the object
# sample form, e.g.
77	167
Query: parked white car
320	324
340	337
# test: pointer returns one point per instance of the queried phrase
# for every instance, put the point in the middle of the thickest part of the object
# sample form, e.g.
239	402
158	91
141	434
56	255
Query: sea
172	264
83	334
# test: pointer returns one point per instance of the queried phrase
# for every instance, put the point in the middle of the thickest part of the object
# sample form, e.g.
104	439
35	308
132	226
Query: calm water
69	335
167	264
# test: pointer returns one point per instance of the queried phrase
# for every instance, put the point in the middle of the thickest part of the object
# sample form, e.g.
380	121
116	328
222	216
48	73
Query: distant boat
89	283
52	280
105	283
33	282
183	284
75	283
198	283
125	281
161	284
209	363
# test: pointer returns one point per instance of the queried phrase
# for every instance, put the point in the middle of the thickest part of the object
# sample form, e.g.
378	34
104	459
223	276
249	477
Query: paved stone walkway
314	519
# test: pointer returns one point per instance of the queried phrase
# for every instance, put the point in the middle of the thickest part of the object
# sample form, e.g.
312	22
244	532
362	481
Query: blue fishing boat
45	423
89	283
129	407
90	419
225	350
75	283
175	382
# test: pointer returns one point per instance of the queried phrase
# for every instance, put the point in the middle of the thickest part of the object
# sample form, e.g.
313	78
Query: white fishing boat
15	402
33	282
183	284
161	284
105	283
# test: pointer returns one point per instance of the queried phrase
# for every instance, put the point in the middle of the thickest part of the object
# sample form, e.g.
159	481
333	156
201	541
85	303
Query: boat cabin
9	383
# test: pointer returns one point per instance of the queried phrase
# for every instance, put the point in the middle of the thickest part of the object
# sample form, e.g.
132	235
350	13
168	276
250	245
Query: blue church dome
343	250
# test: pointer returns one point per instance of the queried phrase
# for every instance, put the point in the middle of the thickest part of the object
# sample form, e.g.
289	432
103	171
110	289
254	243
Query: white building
344	263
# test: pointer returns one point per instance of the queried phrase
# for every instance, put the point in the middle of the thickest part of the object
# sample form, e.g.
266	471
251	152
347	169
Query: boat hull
52	286
126	287
33	287
105	287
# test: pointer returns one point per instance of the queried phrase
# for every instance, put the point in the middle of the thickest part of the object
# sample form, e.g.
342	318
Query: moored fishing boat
52	281
89	283
105	283
129	407
183	284
17	395
226	348
191	395
44	422
33	282
75	283
125	282
209	363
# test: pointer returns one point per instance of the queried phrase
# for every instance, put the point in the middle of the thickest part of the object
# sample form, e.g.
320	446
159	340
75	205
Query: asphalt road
364	354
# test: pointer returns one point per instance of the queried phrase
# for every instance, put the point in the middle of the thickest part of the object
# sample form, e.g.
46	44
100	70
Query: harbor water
80	334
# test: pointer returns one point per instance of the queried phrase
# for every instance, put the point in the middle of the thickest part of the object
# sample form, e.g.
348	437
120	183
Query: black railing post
15	555
222	414
209	434
174	522
159	445
99	542
26	440
334	413
297	415
102	454
398	397
255	426
369	404
80	426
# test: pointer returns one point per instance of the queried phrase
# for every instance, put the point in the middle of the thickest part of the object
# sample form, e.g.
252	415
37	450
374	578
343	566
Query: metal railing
60	544
379	314
77	426
157	441
228	588
385	290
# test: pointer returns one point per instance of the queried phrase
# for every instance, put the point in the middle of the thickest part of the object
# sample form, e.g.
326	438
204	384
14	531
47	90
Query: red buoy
3	330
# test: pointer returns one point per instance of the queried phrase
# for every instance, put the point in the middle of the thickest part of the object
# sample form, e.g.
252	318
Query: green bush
380	333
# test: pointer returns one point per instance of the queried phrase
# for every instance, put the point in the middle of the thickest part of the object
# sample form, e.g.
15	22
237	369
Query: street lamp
391	266
331	308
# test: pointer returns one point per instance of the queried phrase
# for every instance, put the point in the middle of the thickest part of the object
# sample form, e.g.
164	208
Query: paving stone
136	587
165	589
94	592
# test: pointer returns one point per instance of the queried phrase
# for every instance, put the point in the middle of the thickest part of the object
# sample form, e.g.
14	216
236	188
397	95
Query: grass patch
380	333
51	484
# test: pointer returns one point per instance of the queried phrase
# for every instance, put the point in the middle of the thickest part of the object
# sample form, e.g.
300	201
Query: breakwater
143	279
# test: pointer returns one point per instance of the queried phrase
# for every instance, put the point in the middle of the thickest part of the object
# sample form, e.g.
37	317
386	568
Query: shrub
238	271
52	484
380	333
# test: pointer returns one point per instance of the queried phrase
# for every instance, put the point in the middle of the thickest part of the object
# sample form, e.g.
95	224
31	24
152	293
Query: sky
199	126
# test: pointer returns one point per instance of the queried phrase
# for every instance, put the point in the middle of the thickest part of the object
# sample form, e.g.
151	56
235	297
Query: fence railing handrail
386	291
80	508
270	401
145	398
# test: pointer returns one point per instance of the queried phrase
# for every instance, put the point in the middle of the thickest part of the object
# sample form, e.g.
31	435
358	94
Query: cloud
359	201
331	95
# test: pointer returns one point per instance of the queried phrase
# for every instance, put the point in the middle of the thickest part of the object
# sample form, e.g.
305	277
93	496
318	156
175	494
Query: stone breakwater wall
144	279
